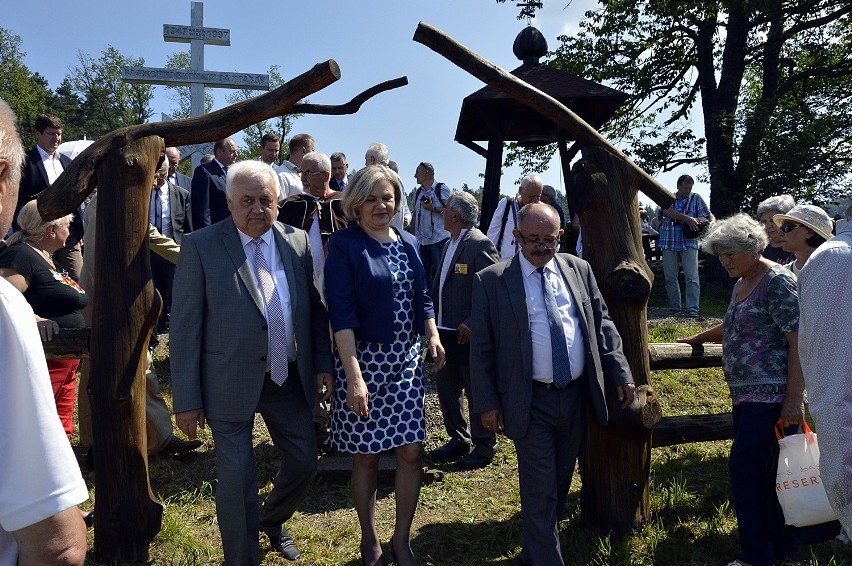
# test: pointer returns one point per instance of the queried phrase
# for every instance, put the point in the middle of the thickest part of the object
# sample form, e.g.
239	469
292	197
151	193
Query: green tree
109	103
770	81
180	95
281	125
25	92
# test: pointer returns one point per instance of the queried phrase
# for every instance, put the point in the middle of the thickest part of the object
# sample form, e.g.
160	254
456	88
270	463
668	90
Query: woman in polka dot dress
379	307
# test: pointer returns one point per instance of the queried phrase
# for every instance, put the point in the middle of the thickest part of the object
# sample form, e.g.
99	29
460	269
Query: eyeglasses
310	173
788	227
548	243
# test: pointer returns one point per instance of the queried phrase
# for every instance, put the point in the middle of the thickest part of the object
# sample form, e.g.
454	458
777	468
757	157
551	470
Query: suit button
263	358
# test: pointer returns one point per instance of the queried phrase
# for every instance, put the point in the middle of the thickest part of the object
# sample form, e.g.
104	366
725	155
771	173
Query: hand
428	206
357	396
792	411
464	334
688	340
493	421
47	329
626	394
187	422
436	350
692	222
325	385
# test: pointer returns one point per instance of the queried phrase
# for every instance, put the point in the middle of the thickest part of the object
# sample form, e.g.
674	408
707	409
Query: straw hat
810	216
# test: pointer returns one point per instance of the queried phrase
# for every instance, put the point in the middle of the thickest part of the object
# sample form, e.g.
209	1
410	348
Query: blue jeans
753	465
671	261
430	255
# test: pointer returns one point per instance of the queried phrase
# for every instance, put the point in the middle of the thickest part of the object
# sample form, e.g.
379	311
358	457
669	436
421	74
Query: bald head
538	232
530	190
173	158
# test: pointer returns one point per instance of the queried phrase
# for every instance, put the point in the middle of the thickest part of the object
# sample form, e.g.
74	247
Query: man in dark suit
542	344
250	335
175	176
466	252
339	171
209	204
170	214
44	165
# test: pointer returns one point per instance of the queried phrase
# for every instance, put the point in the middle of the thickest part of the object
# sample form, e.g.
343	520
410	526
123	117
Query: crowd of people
331	287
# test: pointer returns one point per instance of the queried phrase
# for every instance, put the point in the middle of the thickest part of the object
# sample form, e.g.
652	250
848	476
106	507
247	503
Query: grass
472	518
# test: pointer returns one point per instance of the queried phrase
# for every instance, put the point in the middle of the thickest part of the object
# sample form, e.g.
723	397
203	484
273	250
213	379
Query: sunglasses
788	227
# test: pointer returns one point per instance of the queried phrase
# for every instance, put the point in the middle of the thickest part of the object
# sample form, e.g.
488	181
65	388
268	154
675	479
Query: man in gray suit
466	252
251	336
542	344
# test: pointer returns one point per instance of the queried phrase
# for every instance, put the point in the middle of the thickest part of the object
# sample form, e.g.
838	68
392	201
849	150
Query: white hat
810	216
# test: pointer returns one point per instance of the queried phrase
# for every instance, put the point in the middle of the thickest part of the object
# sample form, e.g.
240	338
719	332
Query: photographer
429	199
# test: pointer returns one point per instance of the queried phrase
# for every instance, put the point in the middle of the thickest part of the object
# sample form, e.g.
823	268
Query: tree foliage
108	103
281	125
770	81
181	95
25	92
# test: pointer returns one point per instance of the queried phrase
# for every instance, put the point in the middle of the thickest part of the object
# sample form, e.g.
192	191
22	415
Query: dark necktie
558	348
158	211
274	315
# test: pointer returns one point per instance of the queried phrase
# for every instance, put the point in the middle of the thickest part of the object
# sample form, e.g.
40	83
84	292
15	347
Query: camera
425	199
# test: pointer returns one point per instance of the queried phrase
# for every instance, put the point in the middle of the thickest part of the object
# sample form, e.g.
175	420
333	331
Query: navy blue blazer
34	181
209	204
359	289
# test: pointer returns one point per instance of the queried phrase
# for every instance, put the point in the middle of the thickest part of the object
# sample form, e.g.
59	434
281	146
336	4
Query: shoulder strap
438	193
509	204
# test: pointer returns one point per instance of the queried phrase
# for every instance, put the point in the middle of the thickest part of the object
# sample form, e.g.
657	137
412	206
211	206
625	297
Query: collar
44	154
527	268
266	237
461	235
219	163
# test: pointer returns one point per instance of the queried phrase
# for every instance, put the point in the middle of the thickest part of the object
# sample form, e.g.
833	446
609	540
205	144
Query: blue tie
158	211
558	348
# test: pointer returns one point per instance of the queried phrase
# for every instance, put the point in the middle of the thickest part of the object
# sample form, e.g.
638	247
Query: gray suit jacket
501	347
219	337
474	253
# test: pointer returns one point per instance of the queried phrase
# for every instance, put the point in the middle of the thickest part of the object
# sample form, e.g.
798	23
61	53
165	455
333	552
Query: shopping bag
798	483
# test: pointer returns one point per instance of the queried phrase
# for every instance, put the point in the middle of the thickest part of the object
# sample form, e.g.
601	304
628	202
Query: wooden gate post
127	515
617	458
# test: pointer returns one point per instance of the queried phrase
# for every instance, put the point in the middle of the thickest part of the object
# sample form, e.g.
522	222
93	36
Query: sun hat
808	215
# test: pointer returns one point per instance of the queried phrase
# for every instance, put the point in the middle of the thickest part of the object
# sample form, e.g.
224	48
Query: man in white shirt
270	147
377	154
175	176
288	172
41	483
429	201
505	218
44	165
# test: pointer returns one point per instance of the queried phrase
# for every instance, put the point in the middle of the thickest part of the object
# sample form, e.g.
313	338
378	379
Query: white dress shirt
279	276
542	360
445	269
166	216
51	164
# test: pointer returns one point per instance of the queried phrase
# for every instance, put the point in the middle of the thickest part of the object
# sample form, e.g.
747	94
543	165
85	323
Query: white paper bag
798	483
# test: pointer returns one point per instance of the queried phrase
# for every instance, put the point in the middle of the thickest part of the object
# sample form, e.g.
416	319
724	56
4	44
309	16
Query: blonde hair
361	186
33	227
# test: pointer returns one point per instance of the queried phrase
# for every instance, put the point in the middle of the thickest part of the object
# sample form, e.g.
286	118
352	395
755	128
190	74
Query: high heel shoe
381	561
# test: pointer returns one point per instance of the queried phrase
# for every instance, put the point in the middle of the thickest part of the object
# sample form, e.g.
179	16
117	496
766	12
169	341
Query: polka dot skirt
393	375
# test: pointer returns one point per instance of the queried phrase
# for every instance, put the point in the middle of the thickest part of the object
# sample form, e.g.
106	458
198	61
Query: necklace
42	252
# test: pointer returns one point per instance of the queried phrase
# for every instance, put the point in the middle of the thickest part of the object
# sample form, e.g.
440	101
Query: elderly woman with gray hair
760	360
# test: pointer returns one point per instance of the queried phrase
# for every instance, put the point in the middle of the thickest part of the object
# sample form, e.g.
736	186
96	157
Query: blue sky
370	40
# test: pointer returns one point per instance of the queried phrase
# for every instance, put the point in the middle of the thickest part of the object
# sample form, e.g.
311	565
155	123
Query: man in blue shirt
688	209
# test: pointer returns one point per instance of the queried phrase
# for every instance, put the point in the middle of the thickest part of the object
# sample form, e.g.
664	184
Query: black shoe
178	447
448	453
284	545
473	461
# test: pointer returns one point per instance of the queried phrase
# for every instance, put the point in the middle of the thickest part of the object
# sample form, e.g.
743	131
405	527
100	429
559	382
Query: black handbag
691	234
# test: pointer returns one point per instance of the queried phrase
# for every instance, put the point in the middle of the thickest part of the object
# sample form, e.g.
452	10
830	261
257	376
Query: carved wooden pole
127	516
617	458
